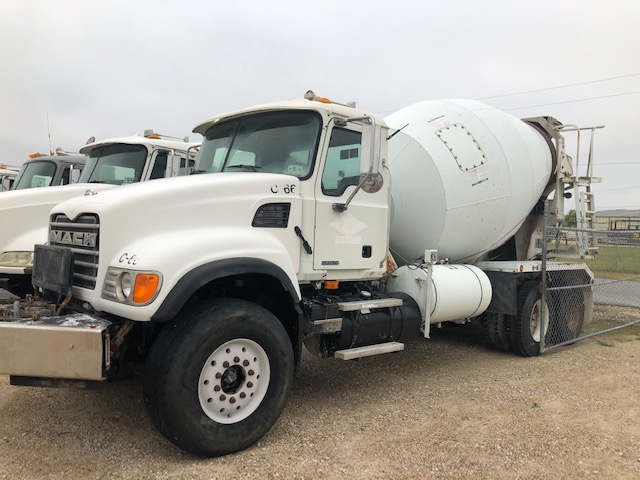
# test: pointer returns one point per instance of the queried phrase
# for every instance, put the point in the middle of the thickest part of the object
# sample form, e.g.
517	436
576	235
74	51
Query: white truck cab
8	176
117	161
49	170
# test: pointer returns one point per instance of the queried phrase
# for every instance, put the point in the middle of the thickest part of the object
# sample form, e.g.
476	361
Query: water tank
464	176
455	292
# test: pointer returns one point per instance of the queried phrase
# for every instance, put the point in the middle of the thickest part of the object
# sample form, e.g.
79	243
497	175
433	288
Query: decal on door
349	226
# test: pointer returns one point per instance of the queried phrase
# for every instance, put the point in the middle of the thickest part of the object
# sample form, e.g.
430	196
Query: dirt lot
445	408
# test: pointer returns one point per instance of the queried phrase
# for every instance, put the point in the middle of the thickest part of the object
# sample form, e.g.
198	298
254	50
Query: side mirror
370	158
370	154
173	164
75	174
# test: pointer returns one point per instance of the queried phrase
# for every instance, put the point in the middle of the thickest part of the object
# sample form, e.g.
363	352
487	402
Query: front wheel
217	379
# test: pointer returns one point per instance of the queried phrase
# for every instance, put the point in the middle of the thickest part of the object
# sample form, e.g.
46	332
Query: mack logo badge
84	239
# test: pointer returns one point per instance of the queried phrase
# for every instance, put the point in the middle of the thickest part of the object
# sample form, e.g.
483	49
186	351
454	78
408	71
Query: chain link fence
586	301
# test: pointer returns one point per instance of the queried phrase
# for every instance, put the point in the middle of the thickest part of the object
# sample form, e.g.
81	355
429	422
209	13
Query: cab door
354	239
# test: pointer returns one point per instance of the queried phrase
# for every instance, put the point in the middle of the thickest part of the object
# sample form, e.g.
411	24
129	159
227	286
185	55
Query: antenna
49	134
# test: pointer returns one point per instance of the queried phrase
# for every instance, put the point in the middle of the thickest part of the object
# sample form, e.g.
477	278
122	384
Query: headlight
131	287
125	284
16	259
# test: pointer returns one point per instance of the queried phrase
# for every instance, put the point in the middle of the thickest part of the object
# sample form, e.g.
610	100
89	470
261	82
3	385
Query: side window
342	167
65	177
159	167
189	169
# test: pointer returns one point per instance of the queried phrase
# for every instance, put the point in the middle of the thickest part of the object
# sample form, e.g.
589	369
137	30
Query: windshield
35	174
273	142
117	164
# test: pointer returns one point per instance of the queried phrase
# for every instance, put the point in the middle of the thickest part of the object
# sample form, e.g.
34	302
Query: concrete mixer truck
288	234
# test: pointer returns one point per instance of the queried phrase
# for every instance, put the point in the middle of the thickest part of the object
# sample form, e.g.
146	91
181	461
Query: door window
342	167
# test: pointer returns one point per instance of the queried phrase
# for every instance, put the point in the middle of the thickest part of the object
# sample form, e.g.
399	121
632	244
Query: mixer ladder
582	193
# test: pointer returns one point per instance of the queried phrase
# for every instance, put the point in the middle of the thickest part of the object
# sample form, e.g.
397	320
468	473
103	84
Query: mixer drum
464	178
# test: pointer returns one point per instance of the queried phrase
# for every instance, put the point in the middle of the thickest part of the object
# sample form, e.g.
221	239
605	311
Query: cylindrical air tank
464	176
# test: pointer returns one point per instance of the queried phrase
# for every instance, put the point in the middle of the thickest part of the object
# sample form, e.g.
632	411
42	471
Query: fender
200	276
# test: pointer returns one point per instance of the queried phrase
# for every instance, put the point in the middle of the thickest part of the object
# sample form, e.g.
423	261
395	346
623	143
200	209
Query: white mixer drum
464	177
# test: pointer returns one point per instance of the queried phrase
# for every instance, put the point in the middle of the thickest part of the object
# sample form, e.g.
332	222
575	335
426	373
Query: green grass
610	262
615	262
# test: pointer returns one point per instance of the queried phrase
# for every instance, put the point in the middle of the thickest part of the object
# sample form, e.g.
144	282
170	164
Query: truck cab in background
50	170
8	176
121	161
105	164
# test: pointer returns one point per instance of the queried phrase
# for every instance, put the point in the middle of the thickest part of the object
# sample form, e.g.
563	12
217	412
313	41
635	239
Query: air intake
272	215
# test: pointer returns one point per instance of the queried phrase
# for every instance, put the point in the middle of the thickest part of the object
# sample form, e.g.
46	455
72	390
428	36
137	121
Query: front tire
218	378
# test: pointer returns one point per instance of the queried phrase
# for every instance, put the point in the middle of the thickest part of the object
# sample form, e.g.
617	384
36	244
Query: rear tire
572	319
495	331
531	321
217	379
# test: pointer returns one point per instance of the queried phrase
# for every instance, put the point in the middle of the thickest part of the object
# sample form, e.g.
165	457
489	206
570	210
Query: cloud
115	68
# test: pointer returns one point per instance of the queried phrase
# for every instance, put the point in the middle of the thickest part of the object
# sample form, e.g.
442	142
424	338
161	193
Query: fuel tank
464	178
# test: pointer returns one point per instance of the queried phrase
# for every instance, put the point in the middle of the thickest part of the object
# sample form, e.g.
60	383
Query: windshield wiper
253	168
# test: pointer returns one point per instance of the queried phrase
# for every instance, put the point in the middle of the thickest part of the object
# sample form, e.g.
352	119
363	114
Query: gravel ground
447	407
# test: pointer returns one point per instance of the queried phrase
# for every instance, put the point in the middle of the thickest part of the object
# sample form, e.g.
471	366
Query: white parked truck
40	170
117	161
8	174
218	280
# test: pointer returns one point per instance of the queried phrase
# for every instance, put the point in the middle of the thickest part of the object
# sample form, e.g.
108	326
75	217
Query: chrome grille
82	236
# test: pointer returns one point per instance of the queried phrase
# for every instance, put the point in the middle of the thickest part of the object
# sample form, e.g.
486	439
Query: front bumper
75	346
15	270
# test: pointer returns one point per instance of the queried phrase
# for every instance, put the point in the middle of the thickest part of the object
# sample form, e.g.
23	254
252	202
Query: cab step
367	305
370	350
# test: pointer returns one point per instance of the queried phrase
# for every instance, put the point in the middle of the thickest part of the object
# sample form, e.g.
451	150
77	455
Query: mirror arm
341	207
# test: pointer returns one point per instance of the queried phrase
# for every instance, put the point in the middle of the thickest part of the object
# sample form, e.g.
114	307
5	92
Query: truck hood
176	225
47	195
181	196
25	213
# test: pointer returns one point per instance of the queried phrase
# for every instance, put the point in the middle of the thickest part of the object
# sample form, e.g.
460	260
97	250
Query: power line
561	86
618	163
629	206
617	188
546	104
573	101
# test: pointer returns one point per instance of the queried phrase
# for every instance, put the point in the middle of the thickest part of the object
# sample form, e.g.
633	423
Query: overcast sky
115	68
